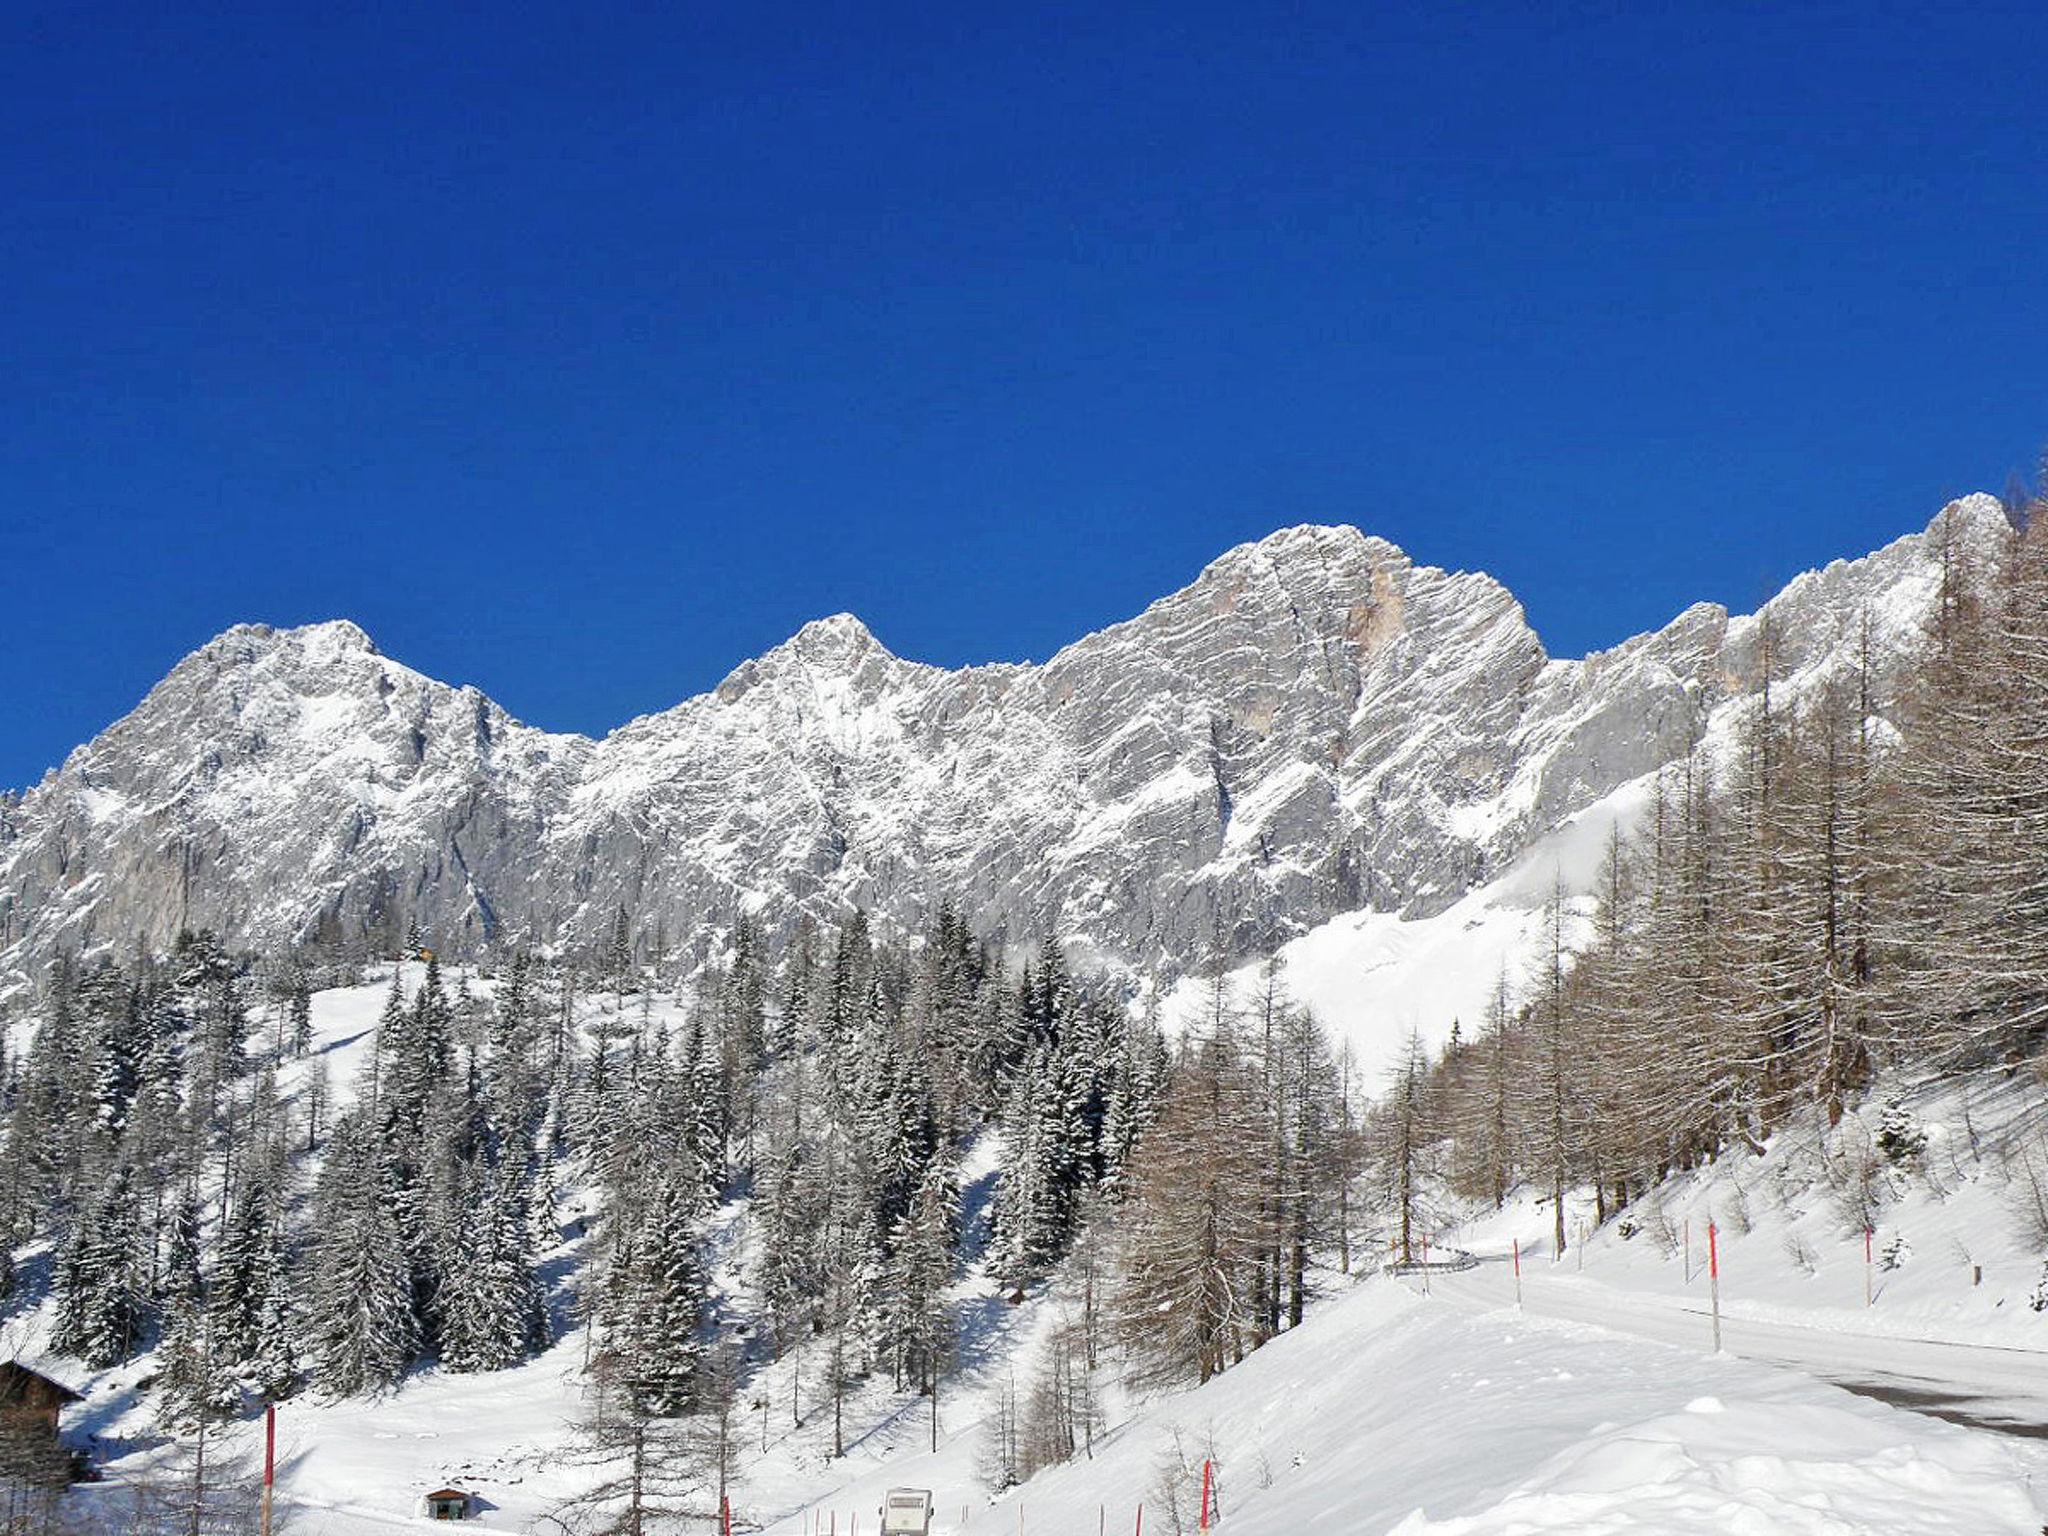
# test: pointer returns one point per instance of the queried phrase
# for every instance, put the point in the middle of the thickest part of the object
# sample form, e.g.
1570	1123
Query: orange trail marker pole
1714	1282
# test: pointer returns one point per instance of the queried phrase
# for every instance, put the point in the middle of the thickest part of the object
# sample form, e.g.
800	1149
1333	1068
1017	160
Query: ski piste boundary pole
1714	1281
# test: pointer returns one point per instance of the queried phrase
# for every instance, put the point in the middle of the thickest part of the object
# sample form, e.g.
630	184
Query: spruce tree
362	1329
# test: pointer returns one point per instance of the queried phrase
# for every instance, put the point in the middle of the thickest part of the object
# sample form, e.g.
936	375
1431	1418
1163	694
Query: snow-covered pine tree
190	1385
658	1300
362	1332
491	1313
103	1300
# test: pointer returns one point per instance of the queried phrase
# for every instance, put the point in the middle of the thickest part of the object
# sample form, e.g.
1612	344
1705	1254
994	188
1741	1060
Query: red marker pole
1868	1297
1714	1283
725	1516
1518	1274
269	1461
1139	1529
1205	1465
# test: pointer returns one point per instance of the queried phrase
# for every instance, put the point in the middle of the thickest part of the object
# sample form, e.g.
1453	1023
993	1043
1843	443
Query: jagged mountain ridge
1315	724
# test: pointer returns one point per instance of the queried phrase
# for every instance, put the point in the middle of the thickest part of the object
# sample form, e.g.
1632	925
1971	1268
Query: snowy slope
1316	727
1955	1257
1389	1412
1450	1414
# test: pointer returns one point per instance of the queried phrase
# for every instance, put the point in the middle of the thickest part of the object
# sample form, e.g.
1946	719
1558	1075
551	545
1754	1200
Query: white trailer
907	1512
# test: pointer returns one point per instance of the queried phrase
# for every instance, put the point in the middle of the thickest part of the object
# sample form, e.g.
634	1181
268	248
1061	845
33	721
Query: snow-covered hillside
1439	1414
1317	729
1391	1412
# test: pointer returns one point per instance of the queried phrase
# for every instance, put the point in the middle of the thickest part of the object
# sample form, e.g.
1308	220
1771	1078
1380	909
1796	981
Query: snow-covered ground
1941	1312
1394	1412
1372	977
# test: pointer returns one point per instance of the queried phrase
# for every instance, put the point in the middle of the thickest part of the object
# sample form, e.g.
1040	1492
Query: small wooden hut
31	1450
445	1504
29	1400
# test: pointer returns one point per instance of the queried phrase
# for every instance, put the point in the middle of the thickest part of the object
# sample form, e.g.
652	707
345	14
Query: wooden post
1714	1282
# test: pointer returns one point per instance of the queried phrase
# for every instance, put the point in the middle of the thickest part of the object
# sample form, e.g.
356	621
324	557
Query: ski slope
1391	1412
1938	1311
1999	1386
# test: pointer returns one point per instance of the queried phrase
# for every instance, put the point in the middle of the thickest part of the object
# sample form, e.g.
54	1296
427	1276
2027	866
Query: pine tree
299	1014
656	1302
190	1385
1408	1141
490	1302
362	1329
920	1268
102	1290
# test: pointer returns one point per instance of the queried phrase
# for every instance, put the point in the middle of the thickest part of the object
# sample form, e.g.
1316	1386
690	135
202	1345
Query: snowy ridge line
1316	726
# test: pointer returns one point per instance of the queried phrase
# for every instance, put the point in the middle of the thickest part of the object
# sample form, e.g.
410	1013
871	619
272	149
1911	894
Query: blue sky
582	352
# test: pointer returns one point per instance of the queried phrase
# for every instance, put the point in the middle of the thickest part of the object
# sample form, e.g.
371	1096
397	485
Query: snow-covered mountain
1316	725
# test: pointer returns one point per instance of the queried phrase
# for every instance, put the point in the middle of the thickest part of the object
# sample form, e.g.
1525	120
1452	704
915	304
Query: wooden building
31	1451
445	1504
29	1400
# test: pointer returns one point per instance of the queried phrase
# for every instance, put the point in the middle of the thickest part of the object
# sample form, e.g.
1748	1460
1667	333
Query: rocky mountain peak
839	648
1314	724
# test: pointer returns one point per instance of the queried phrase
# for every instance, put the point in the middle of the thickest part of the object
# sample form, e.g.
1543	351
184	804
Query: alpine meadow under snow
1132	1080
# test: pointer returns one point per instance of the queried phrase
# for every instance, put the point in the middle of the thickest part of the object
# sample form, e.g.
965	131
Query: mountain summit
1314	725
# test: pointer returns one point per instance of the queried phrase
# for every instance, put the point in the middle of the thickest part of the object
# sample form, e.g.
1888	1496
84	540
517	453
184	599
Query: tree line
1852	882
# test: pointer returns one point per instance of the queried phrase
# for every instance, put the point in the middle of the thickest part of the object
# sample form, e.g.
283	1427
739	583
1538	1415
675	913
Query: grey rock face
1314	725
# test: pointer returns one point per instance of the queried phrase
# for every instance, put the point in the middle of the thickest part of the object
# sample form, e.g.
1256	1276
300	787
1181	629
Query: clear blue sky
581	353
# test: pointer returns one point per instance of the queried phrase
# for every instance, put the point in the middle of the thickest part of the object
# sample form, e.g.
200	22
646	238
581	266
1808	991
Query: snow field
1392	1413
